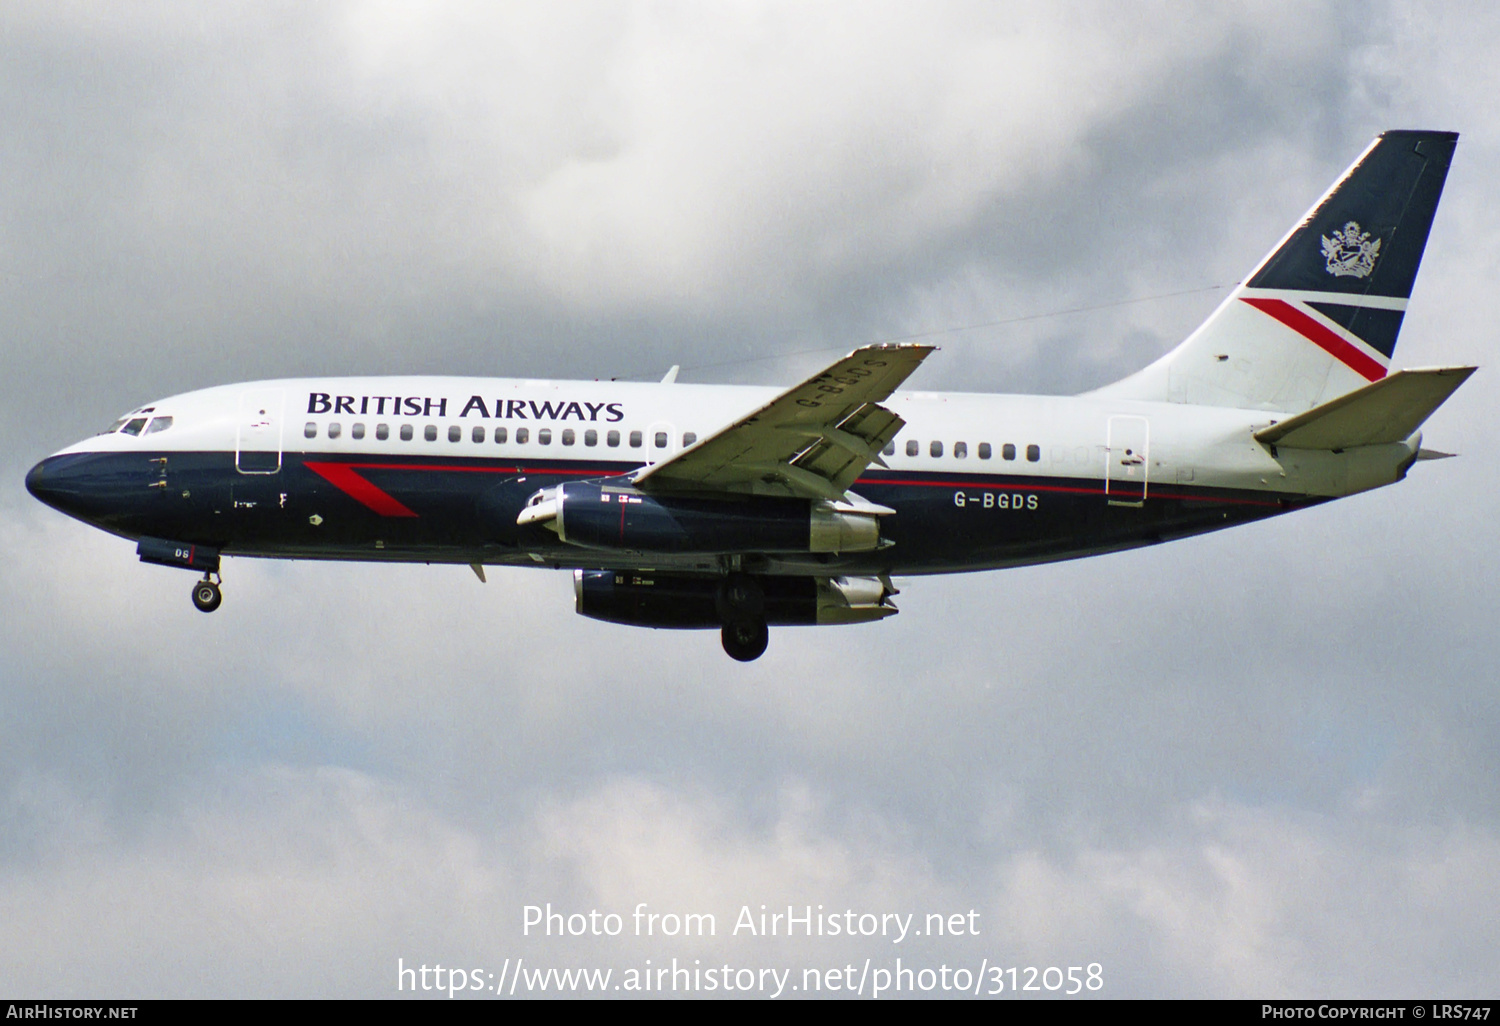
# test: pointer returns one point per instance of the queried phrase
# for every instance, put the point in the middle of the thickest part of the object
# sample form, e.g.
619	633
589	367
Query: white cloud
316	881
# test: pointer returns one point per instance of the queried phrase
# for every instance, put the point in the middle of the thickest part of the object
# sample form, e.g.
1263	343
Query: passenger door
257	448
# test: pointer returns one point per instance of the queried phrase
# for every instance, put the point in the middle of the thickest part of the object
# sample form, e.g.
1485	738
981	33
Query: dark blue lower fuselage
458	510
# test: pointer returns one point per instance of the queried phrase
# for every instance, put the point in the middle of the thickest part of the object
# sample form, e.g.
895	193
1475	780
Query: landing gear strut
742	610
206	594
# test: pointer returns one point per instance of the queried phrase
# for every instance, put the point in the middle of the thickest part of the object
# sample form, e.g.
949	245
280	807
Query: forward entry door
257	447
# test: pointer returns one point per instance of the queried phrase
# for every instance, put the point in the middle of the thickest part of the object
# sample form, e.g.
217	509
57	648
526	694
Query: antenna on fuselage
671	375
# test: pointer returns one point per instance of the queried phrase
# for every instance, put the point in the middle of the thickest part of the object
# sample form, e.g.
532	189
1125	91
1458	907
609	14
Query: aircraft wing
812	441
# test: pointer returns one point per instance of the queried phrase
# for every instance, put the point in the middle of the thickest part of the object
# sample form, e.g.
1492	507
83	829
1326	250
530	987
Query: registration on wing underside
812	441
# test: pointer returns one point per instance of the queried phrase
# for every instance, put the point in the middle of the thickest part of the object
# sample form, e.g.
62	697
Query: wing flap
812	441
1388	410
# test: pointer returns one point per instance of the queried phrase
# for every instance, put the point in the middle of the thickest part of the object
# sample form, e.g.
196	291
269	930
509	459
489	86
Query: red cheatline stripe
1016	486
1319	335
472	469
343	477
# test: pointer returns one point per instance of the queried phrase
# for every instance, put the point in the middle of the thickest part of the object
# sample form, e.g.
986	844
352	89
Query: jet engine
643	598
602	515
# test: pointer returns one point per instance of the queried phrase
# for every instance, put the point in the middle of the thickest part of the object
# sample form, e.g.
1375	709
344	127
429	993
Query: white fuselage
574	421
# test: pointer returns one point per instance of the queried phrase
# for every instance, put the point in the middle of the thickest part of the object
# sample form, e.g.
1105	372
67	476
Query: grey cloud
1199	763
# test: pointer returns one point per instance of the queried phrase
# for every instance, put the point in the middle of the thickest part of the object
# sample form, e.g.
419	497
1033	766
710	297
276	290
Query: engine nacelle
642	598
602	515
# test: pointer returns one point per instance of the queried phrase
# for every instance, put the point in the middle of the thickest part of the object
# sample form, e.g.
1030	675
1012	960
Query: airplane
742	508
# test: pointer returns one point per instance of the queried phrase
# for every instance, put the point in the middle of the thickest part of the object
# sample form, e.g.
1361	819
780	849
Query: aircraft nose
36	482
52	483
98	488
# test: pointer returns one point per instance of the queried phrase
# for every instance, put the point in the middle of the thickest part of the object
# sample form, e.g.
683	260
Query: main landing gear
746	640
207	596
742	610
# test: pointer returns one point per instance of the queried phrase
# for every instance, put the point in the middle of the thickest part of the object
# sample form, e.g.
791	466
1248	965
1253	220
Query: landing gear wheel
207	596
746	640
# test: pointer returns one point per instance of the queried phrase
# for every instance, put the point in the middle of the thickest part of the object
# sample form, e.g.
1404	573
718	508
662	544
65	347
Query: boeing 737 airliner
741	508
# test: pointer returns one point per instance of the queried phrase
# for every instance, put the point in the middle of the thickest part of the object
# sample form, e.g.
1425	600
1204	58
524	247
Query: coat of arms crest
1351	253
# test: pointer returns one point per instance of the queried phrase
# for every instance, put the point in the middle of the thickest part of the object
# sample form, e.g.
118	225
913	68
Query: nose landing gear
206	594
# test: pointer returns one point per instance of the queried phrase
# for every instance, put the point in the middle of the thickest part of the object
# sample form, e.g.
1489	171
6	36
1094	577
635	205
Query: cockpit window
117	425
134	427
159	424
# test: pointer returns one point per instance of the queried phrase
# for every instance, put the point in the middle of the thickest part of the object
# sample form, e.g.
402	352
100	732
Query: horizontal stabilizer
1388	410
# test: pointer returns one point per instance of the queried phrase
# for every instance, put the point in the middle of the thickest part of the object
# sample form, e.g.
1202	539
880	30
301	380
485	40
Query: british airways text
429	406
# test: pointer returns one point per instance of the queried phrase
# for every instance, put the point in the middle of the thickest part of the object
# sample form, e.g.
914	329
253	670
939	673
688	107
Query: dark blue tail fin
1319	316
1366	236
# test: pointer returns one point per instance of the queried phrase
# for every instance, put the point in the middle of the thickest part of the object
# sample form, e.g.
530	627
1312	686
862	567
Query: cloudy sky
1258	763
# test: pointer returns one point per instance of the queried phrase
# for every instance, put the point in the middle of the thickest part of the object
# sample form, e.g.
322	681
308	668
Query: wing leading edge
811	442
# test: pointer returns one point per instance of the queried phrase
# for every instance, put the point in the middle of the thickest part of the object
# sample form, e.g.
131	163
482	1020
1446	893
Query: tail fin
1318	318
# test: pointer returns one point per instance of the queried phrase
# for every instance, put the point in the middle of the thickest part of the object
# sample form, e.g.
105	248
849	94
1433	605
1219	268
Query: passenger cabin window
382	431
612	439
405	432
310	431
334	430
984	450
687	439
543	436
661	439
568	437
159	424
357	431
1033	453
455	433
523	435
960	449
890	449
936	448
591	437
1008	451
430	432
913	447
500	434
635	439
477	434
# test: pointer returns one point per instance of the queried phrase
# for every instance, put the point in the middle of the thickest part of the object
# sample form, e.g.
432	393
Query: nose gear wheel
206	594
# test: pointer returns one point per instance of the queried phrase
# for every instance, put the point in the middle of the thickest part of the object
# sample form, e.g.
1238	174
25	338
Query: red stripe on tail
1320	336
